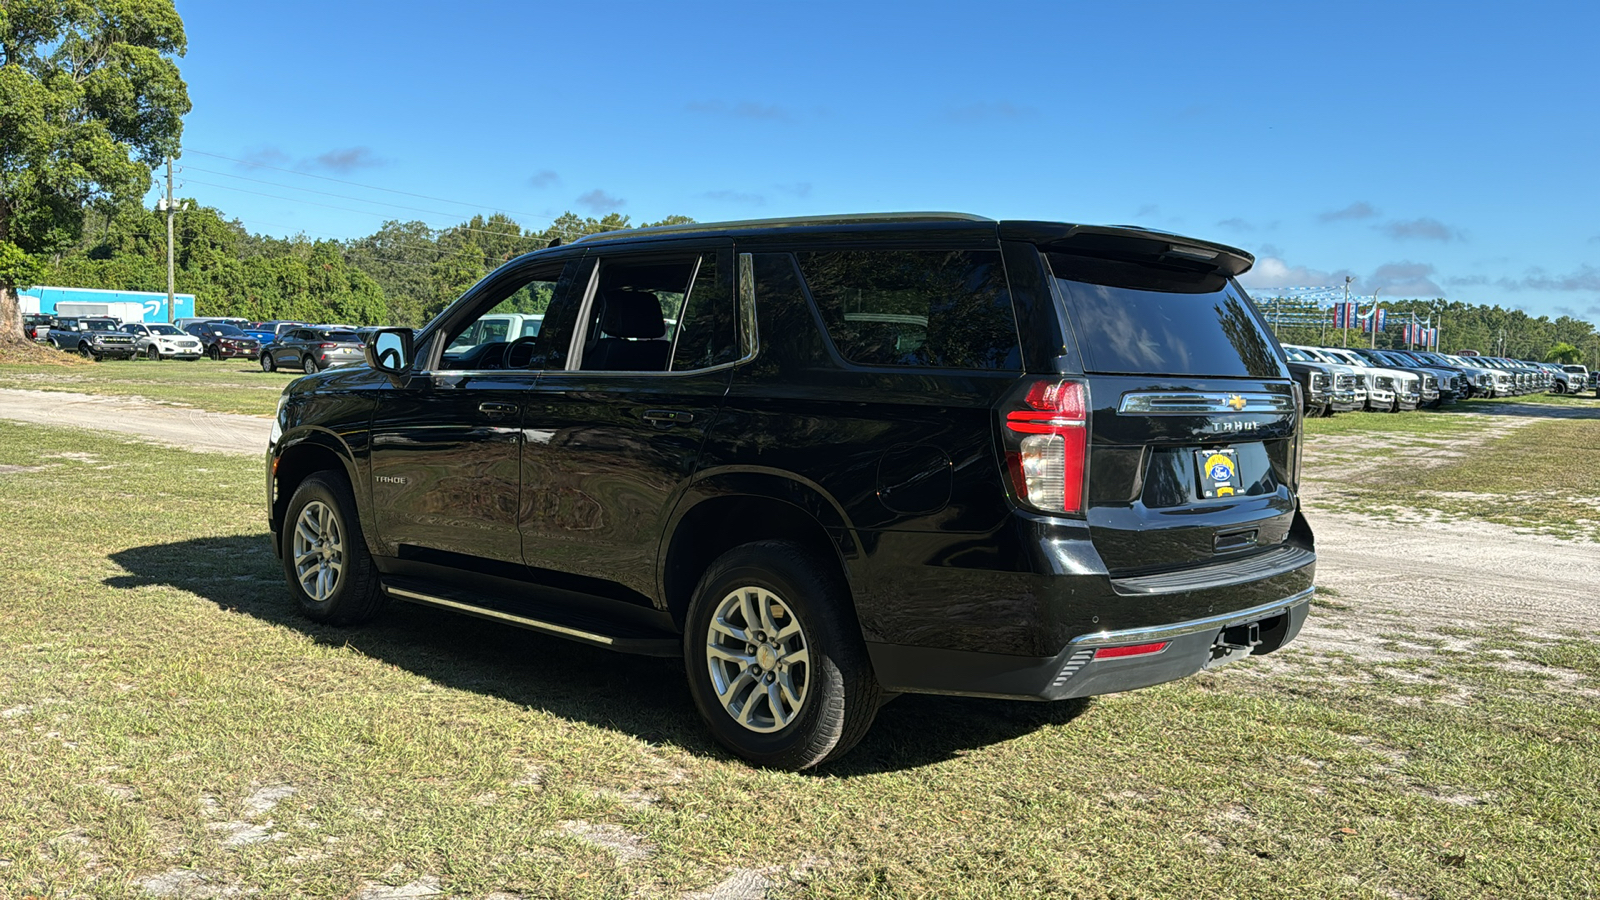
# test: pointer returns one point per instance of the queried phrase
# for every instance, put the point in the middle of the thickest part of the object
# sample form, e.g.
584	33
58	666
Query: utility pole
1348	312
167	206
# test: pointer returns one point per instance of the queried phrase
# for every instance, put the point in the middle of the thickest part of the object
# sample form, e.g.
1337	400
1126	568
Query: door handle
665	417
495	410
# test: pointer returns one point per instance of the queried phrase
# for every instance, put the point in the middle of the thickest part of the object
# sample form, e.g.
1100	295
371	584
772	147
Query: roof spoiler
1133	244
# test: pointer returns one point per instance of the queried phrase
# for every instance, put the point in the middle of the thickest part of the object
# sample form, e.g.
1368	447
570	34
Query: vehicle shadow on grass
1534	410
642	696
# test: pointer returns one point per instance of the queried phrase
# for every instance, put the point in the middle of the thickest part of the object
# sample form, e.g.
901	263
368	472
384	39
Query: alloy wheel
759	659
318	551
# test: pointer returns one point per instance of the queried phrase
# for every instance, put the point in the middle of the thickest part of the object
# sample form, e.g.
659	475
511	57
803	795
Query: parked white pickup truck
505	327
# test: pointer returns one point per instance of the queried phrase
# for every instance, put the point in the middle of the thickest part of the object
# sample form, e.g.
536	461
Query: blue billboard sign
47	300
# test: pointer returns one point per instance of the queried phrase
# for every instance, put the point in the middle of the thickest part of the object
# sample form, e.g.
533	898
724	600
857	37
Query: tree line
402	274
1489	329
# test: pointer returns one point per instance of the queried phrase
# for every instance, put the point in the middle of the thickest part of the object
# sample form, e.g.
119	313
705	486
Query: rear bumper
1079	671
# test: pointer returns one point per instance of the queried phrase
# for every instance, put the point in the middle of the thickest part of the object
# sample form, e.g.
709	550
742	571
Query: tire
152	353
86	353
321	528
309	365
215	353
266	362
838	695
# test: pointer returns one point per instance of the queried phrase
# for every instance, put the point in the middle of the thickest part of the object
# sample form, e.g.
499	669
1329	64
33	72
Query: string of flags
1349	315
1427	338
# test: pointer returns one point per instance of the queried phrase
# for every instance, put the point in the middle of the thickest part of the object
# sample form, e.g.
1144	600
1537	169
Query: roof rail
789	222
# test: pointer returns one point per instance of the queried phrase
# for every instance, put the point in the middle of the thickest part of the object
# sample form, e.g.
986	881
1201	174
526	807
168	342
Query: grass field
230	386
167	725
1538	473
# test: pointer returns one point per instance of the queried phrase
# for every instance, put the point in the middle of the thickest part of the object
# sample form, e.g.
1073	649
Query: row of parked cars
276	344
1347	379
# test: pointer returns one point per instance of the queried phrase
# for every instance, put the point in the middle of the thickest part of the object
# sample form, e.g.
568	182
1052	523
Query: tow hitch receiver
1244	637
1234	643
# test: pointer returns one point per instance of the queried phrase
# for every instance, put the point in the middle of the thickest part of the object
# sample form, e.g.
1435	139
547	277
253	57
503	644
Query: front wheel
325	558
215	353
152	354
775	659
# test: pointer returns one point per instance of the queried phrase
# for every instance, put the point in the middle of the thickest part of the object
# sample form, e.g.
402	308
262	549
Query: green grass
1543	476
154	678
231	386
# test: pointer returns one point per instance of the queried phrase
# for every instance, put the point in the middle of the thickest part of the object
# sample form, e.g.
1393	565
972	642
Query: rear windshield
343	337
1136	319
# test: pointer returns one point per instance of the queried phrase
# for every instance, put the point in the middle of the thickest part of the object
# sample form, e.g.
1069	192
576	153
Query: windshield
163	329
1296	354
99	325
223	328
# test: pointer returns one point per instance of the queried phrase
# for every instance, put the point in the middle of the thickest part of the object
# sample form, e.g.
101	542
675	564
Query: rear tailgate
1194	417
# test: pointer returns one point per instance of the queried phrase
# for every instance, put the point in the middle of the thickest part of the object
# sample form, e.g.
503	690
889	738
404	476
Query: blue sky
1423	148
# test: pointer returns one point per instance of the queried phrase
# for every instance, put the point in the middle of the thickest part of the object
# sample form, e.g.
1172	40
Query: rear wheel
310	365
775	659
325	558
266	362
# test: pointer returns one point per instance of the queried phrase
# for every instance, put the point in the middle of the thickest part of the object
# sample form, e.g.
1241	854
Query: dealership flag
1379	317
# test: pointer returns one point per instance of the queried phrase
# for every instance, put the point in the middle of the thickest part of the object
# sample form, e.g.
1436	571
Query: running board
587	631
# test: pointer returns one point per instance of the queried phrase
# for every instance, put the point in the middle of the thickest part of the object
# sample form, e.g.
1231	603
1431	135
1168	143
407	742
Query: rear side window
1136	319
940	308
706	330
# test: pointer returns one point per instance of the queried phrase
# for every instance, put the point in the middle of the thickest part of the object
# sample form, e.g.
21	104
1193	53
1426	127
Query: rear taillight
327	346
1047	443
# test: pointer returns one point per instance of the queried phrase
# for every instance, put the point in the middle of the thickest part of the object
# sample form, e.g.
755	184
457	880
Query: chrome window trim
1191	403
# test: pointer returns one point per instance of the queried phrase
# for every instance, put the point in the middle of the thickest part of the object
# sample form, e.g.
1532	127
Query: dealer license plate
1219	473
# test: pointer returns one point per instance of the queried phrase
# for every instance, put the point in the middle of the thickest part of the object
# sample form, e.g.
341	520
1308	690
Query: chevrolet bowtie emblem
1236	402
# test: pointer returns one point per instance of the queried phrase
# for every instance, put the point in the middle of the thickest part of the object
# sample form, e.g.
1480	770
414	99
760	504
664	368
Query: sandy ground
163	423
1427	575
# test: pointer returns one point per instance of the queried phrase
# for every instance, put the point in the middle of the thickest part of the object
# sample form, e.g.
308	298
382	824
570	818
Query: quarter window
939	308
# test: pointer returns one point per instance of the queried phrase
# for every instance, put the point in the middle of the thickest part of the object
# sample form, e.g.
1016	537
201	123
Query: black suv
825	461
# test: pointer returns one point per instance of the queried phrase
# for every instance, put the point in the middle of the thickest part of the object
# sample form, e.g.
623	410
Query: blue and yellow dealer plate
1219	473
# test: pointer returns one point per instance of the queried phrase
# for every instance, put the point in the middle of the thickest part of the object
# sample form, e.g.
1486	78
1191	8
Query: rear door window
705	334
1137	319
939	308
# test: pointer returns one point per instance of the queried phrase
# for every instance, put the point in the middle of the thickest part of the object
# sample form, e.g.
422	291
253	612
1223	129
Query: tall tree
90	102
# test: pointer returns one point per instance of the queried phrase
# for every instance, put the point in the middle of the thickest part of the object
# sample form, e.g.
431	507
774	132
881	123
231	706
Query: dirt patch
628	846
190	429
33	353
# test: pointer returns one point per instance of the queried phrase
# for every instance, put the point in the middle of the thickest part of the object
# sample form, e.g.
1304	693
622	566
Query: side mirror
389	350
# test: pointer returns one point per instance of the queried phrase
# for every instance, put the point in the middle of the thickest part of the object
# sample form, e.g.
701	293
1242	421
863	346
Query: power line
373	187
364	212
432	212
